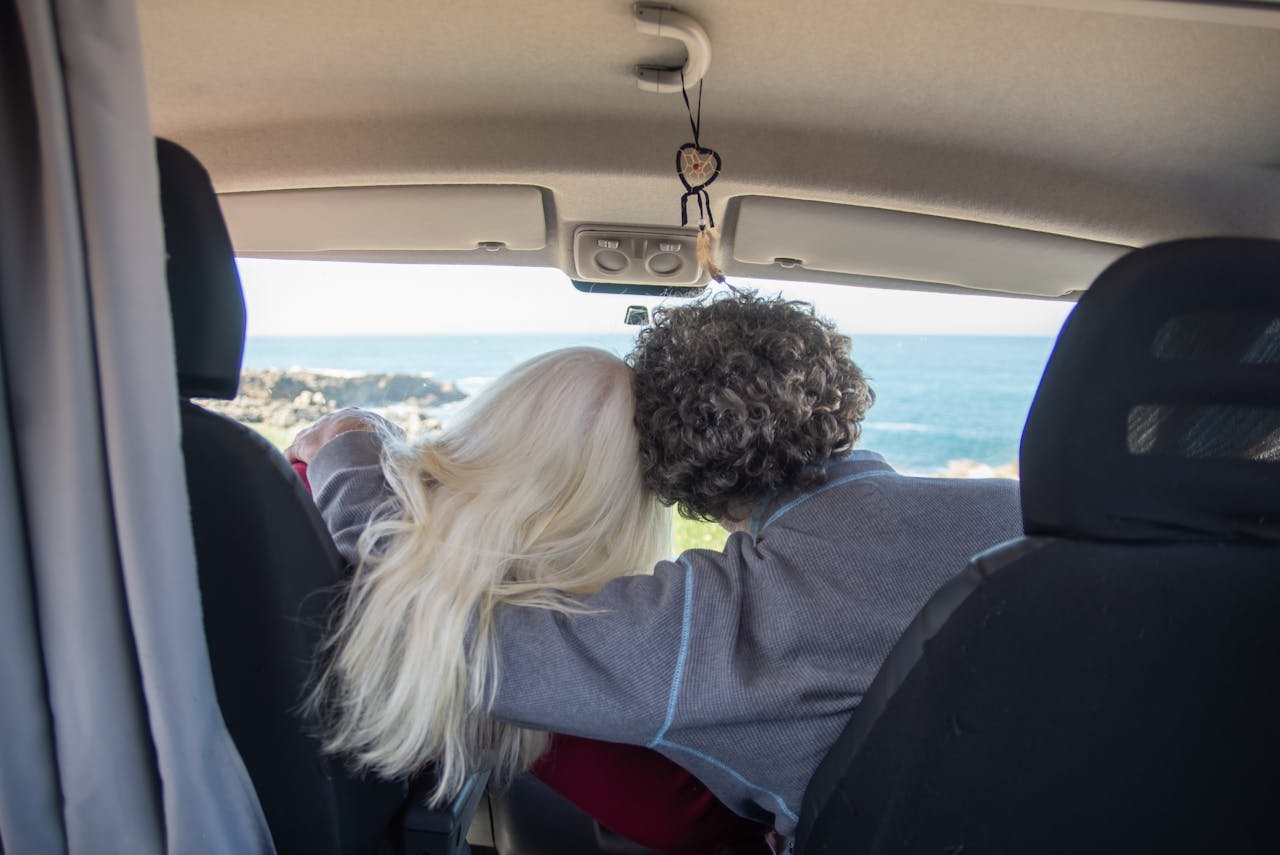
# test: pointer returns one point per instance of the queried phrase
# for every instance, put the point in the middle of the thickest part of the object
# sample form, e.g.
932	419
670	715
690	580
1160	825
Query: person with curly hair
743	665
739	398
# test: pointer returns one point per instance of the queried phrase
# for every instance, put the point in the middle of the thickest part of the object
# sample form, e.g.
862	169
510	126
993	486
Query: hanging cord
698	167
694	124
696	159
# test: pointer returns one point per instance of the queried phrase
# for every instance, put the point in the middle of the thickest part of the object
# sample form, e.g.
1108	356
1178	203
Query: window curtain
112	738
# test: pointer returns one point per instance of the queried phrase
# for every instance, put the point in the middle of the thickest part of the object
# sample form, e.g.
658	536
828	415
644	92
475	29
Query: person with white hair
532	497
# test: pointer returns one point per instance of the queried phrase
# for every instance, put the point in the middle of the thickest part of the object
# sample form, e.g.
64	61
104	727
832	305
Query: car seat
1105	683
267	566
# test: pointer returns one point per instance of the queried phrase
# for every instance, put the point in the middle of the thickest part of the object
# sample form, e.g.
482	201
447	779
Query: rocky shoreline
287	399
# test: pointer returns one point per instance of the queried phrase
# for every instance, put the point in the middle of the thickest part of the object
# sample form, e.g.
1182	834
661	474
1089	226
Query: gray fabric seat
1104	684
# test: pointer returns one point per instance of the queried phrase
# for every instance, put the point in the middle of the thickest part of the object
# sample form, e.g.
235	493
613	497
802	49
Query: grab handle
668	23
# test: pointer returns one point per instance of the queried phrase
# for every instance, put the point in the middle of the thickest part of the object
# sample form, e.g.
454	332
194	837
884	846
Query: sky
298	298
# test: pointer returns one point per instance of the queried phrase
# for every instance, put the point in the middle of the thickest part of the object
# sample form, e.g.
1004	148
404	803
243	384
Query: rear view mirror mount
636	316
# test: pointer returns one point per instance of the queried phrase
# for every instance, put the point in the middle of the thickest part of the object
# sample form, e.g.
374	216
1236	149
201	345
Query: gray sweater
742	666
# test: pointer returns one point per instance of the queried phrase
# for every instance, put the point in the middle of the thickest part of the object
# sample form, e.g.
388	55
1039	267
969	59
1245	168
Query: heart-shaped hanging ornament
697	166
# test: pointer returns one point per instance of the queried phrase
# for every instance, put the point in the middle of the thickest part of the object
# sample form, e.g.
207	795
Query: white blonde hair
534	494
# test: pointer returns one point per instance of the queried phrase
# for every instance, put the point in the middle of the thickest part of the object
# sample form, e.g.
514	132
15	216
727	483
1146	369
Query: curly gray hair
740	396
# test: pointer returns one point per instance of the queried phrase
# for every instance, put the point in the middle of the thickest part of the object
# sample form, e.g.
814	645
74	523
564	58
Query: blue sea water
938	398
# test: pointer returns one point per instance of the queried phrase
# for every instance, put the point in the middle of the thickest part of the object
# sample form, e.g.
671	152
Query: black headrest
1158	417
204	286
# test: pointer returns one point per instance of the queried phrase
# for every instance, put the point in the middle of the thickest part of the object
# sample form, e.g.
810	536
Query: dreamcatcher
698	167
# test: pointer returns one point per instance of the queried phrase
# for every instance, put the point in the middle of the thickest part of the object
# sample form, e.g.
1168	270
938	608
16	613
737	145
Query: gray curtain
112	737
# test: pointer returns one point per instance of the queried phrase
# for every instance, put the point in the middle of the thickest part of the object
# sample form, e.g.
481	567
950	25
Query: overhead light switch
637	256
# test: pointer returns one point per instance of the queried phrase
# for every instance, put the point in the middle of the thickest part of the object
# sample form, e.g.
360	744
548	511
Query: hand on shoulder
311	439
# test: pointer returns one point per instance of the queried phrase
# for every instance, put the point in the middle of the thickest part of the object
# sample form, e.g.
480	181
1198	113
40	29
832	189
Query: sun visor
386	219
854	241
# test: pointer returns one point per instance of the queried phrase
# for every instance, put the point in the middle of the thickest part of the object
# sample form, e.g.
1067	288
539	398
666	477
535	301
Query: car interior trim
432	217
865	241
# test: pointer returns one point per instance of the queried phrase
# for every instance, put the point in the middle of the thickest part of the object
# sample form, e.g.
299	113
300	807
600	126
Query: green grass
279	437
688	534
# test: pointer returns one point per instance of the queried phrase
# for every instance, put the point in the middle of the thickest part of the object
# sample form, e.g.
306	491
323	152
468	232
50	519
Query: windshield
954	375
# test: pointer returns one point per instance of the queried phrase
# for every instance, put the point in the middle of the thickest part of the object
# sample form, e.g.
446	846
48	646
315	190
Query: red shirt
301	469
643	796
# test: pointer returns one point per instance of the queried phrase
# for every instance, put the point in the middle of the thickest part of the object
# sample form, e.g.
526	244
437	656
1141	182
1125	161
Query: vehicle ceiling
1113	120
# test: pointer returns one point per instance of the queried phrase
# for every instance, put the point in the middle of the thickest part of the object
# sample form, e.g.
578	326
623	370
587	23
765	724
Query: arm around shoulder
615	671
346	477
605	672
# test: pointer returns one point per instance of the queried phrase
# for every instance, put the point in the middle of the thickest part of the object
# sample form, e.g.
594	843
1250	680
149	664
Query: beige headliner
1123	122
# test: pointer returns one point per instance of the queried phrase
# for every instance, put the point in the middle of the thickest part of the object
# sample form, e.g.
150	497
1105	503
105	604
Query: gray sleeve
605	674
347	483
611	671
623	671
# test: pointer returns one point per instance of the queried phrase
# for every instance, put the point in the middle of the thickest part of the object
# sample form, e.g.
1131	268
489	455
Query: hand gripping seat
267	566
1109	682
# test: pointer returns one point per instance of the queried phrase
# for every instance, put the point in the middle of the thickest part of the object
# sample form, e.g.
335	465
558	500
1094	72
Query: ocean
938	398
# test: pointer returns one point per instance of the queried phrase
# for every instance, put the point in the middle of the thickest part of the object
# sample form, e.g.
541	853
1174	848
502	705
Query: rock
284	399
